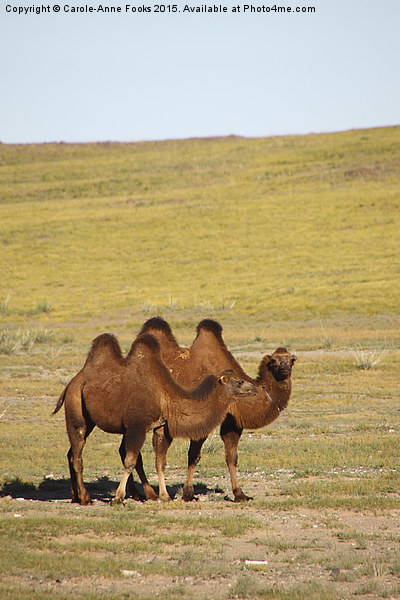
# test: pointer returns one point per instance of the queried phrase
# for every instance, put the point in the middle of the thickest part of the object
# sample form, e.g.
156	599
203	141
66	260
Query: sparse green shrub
4	305
41	336
12	342
8	344
43	307
395	567
246	586
368	359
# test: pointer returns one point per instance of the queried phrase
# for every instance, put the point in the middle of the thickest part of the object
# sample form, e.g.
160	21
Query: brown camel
132	395
209	354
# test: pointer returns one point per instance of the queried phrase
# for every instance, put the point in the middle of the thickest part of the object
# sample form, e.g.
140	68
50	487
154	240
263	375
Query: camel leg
148	490
133	441
230	434
161	442
131	489
194	455
77	437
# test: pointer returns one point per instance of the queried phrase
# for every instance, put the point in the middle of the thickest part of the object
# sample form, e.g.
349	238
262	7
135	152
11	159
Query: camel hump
210	325
103	347
145	345
156	326
213	348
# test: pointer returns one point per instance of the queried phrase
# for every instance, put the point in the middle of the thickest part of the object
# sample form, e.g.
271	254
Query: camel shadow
102	489
57	489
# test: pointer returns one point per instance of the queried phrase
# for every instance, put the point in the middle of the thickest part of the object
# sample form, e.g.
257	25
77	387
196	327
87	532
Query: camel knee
75	460
161	441
231	457
129	464
77	463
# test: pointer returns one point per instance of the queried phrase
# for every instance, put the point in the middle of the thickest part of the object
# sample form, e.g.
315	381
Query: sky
132	76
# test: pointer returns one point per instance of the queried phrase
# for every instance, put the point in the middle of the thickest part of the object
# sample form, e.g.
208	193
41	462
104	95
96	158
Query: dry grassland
286	241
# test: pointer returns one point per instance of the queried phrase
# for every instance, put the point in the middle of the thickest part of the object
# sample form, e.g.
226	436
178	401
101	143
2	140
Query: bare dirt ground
327	553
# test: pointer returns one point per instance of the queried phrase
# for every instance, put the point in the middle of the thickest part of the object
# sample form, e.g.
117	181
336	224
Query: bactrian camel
134	394
209	354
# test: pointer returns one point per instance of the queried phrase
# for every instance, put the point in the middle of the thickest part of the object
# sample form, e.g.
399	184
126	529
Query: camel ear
294	358
267	358
224	379
271	361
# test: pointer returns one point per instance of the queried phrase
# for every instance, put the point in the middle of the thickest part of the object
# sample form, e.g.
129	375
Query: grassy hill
284	228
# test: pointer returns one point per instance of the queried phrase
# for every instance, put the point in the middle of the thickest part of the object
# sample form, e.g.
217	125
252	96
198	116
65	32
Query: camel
132	395
209	354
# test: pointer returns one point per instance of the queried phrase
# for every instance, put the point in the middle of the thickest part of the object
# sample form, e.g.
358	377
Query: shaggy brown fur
133	395
209	354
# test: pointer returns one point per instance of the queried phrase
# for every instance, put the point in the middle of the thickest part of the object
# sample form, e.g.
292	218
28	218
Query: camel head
280	364
235	386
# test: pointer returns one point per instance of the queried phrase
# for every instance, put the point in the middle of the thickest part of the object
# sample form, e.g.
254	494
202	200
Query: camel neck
278	392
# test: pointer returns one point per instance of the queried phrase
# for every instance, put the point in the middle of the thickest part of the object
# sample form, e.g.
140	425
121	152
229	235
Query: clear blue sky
93	77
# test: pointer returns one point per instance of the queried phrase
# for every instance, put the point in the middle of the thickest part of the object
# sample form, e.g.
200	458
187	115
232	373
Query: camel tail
60	401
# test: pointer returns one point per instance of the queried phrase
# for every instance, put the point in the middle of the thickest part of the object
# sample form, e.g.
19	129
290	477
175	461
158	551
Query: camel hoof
242	498
166	498
150	494
188	493
83	501
188	497
117	500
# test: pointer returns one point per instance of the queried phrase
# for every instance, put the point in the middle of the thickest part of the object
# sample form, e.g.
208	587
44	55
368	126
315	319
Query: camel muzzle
282	374
248	389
